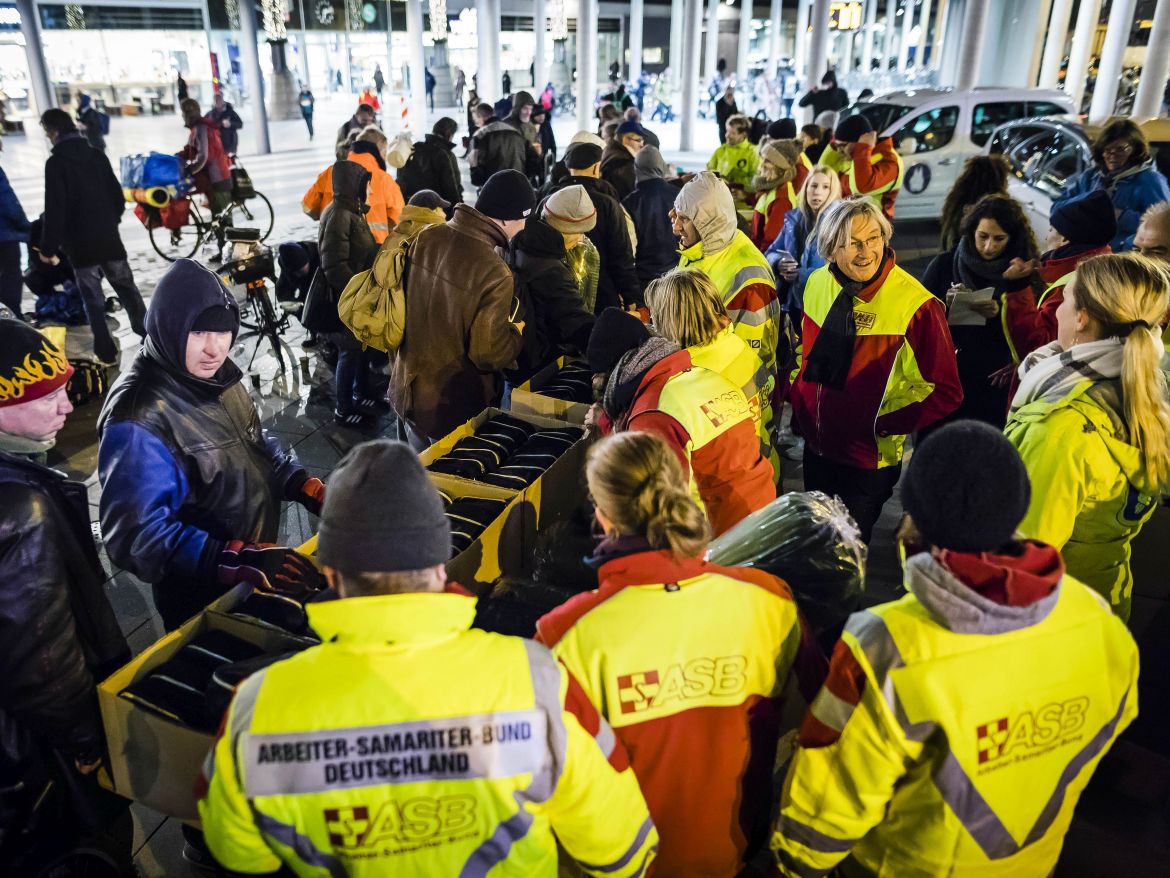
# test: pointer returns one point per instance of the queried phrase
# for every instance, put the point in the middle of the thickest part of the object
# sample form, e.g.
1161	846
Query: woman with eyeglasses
1124	168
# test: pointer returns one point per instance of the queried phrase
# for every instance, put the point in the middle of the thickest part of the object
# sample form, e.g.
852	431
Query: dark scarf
627	375
975	272
1068	251
832	354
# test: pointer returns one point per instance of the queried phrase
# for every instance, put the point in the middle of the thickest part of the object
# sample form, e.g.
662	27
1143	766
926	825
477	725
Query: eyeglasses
1118	149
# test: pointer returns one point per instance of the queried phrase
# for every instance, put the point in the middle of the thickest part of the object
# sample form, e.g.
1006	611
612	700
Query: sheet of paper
959	312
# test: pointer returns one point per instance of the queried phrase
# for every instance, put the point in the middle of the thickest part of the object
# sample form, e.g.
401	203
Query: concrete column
867	36
800	45
417	64
485	50
924	31
712	49
675	60
586	63
775	16
637	17
891	27
1036	54
34	51
539	31
253	78
818	46
940	34
971	46
904	42
1112	54
745	39
1078	57
845	62
688	111
1157	67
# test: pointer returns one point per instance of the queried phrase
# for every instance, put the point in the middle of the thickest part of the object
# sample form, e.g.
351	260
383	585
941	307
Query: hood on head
521	99
538	238
496	127
350	180
650	165
416	217
185	291
710	206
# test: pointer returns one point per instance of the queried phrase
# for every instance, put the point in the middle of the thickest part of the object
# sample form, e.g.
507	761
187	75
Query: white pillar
971	47
1078	57
1157	67
800	45
709	68
539	31
484	51
677	12
34	52
845	63
923	33
1112	54
940	35
745	39
417	64
891	27
253	78
586	63
818	45
904	42
637	13
689	72
867	36
775	16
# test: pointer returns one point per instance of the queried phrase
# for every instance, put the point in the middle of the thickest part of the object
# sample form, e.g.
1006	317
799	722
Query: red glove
312	495
268	568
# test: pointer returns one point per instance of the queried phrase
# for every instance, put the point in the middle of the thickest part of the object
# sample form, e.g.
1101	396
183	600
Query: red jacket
871	177
1032	324
844	425
692	676
733	480
766	228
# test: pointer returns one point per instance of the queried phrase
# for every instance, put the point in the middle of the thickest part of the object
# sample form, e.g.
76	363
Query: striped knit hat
570	211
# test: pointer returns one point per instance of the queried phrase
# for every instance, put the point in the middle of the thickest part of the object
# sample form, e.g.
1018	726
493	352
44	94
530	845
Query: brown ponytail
638	484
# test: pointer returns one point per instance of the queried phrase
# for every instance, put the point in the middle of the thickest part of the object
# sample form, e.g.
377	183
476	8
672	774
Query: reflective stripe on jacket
744	280
691	663
956	748
730	356
406	744
384	198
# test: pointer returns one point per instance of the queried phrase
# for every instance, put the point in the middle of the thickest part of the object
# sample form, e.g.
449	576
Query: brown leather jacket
459	295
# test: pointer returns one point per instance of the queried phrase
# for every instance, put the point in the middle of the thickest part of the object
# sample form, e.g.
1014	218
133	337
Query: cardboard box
556	493
153	760
528	400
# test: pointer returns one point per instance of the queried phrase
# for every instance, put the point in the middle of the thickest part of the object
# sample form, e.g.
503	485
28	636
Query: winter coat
383	198
833	99
736	164
497	146
58	633
341	142
83	204
617	169
1131	190
92	123
184	464
875	171
229	134
550	301
618	282
432	165
794	238
459	296
344	240
650	204
205	159
14	225
1090	492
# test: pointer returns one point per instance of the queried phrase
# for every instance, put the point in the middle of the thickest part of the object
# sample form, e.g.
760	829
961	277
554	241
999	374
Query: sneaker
372	406
354	420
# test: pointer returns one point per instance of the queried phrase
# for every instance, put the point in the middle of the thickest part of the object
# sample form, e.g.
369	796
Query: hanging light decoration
356	20
438	20
273	14
233	14
558	23
74	17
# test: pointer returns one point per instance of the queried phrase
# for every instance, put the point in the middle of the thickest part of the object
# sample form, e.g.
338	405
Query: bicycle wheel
172	244
254	213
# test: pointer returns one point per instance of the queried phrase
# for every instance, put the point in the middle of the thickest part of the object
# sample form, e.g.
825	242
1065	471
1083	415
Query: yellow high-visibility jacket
406	744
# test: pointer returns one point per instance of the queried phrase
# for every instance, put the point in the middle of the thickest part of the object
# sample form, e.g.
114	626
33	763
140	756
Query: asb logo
1030	731
724	408
698	678
864	319
413	821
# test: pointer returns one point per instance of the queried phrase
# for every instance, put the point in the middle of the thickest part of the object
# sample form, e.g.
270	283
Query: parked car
1046	153
936	130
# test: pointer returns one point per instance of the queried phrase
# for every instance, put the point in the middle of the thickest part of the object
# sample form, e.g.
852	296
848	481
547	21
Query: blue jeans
350	379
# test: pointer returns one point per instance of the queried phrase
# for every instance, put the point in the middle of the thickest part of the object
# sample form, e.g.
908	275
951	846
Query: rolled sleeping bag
154	196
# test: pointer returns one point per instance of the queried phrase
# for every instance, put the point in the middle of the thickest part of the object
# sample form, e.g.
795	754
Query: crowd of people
681	716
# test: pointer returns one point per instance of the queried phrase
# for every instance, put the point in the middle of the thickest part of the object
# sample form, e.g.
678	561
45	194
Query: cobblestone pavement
296	406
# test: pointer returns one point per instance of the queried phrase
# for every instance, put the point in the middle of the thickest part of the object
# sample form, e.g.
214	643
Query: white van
936	130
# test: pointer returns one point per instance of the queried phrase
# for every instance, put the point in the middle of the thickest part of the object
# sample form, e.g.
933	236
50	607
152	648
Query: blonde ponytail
638	484
1129	295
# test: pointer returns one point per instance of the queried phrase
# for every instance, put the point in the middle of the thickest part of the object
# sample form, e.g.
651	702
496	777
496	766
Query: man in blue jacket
191	485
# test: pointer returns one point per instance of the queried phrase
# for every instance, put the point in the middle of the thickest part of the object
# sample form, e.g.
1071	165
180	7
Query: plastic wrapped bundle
810	541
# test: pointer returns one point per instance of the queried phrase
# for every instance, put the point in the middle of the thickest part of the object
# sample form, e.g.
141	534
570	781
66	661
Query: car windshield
880	116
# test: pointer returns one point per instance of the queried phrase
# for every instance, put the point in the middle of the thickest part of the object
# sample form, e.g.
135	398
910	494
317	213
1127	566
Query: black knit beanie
1086	219
850	130
966	488
382	514
782	129
507	195
615	333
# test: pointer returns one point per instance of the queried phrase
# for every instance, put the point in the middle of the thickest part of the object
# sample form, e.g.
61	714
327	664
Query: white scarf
1050	373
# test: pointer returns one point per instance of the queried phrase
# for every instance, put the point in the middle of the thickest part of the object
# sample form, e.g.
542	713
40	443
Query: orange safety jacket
385	198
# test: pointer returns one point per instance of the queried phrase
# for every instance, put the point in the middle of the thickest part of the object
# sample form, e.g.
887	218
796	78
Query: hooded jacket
521	100
205	157
550	300
344	239
649	205
1132	191
459	295
497	146
774	201
617	168
1090	492
183	462
798	240
229	135
432	165
384	200
83	204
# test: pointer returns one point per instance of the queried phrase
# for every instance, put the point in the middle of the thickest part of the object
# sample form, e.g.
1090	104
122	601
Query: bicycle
258	316
185	241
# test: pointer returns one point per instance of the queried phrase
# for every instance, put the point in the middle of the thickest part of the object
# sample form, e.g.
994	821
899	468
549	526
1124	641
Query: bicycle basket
242	185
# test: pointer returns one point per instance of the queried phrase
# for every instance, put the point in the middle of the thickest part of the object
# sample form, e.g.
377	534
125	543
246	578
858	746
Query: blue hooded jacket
1132	191
794	238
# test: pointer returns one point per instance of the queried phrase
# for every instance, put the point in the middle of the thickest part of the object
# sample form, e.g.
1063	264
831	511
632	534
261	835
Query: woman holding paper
995	255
